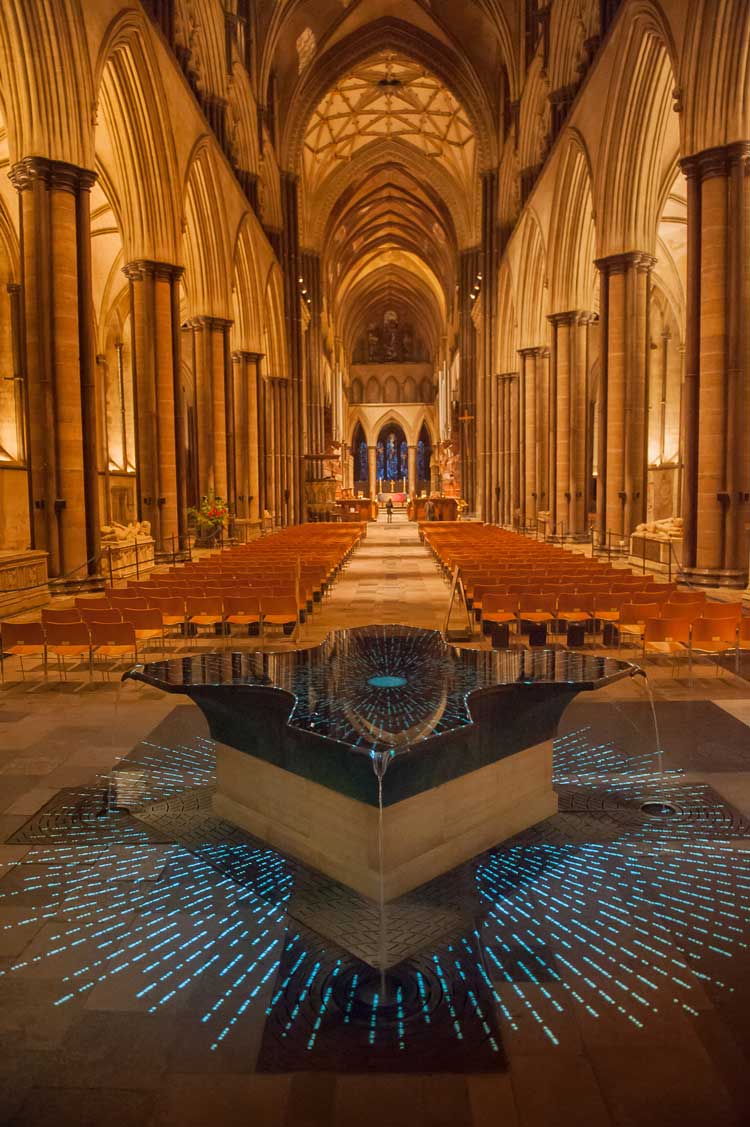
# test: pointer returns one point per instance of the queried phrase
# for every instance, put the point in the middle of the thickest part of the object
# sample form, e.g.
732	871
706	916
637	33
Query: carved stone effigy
127	550
659	542
23	581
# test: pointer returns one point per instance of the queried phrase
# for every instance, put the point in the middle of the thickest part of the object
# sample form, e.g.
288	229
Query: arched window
392	458
424	456
404	452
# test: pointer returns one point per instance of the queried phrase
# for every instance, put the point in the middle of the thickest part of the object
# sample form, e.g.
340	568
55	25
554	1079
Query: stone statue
668	529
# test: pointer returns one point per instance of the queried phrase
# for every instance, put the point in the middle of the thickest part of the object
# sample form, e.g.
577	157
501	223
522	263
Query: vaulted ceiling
386	110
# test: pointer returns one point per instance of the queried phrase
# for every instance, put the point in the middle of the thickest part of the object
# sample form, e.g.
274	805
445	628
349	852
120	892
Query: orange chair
731	612
280	610
91	602
68	640
113	640
101	614
499	608
60	617
147	624
714	638
576	609
687	597
537	608
242	610
633	619
172	611
204	610
22	639
668	637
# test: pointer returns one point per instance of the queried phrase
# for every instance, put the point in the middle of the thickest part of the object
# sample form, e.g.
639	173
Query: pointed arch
205	244
715	75
531	287
507	324
572	231
45	67
641	133
247	297
134	143
274	328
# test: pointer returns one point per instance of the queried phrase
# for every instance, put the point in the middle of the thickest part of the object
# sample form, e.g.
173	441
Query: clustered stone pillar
467	389
372	469
247	433
623	395
278	450
412	469
311	272
569	381
293	405
716	401
59	359
212	367
160	450
529	492
509	446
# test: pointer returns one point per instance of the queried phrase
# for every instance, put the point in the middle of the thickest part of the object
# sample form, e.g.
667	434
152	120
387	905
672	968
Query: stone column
241	390
260	398
212	374
372	467
291	264
160	452
570	362
624	393
529	492
487	276
412	469
514	445
716	403
469	266
60	359
541	379
311	273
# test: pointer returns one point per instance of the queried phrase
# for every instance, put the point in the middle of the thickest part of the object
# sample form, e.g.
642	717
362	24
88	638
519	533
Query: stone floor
154	969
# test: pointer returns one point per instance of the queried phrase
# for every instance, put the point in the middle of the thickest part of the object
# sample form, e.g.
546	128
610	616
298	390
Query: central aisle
391	577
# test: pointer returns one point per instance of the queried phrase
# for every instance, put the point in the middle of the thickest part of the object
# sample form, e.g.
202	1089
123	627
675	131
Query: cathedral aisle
391	577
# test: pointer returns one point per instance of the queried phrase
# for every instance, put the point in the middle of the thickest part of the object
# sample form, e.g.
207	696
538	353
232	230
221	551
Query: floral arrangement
211	515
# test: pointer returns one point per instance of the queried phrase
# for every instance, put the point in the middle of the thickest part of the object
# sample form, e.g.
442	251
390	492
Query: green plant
210	515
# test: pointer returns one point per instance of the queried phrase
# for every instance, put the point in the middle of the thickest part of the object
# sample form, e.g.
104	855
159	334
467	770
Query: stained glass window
363	474
392	460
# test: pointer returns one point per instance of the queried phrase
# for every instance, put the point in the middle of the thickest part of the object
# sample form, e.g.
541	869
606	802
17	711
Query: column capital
508	375
716	161
213	324
534	350
573	317
243	354
54	174
142	268
621	263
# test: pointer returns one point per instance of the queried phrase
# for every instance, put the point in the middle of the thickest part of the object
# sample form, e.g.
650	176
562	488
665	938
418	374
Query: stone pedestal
660	554
423	836
23	581
130	559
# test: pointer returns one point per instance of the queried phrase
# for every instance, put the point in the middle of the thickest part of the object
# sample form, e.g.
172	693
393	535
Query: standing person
389	510
429	509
